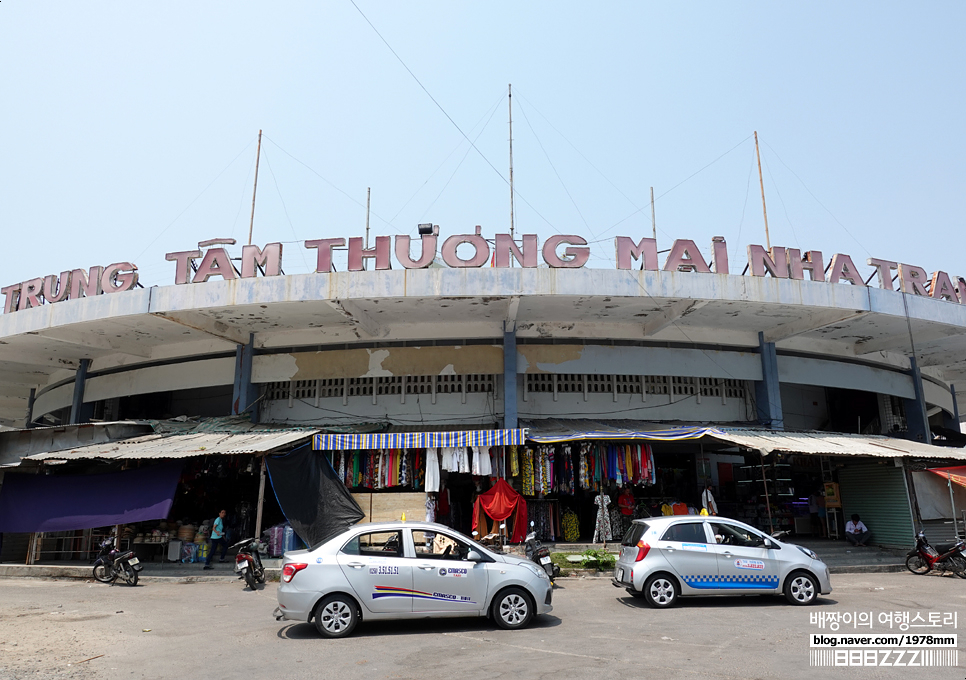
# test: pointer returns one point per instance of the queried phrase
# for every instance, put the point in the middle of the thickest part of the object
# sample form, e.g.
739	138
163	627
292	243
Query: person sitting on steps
856	532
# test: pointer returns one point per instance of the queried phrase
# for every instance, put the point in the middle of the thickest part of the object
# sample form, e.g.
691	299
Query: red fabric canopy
956	474
499	503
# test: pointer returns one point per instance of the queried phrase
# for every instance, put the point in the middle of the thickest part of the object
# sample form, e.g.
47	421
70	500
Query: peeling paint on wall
391	361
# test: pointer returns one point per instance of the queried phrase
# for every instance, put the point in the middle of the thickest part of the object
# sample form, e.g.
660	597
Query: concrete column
80	382
955	425
33	396
244	393
768	398
510	375
917	421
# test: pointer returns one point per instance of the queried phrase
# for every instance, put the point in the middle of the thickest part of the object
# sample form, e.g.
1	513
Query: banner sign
562	251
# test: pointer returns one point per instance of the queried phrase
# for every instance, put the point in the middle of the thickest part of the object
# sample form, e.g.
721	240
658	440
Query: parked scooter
943	557
540	554
248	562
111	564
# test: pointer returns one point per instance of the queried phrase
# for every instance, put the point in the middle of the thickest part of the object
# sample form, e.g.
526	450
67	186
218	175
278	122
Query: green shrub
598	559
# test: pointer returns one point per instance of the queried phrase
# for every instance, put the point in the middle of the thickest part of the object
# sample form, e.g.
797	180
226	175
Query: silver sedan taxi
663	558
407	570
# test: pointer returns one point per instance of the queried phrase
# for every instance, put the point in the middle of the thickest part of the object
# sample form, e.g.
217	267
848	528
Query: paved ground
54	629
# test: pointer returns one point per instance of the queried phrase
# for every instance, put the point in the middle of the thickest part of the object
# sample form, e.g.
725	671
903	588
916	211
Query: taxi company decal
695	546
750	564
384	570
457	572
390	591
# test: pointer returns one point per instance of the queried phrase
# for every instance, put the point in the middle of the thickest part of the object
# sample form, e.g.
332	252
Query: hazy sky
128	129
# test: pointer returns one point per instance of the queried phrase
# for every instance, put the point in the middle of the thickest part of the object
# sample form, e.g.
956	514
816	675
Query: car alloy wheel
336	616
660	591
512	609
801	588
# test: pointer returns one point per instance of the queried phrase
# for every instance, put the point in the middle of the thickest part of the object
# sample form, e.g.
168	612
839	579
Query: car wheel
916	564
511	609
336	616
661	591
801	588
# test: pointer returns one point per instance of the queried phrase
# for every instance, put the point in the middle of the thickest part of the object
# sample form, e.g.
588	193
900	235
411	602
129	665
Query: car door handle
728	553
426	567
356	565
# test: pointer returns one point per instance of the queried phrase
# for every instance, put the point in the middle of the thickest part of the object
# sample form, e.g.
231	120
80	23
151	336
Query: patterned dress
602	528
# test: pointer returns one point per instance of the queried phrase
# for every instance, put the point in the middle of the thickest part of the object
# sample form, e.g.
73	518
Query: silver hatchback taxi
663	558
407	570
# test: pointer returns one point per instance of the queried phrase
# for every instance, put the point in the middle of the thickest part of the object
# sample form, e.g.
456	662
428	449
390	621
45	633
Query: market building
789	387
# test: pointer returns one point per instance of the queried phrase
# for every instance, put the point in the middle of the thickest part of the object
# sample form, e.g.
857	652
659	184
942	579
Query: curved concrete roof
43	345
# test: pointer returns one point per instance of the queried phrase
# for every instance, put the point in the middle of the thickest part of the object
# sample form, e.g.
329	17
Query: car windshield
634	534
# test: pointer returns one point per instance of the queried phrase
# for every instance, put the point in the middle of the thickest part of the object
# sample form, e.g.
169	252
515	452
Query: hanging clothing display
500	503
571	526
602	529
514	462
481	462
432	471
528	480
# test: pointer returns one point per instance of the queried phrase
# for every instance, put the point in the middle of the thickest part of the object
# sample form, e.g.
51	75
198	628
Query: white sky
116	116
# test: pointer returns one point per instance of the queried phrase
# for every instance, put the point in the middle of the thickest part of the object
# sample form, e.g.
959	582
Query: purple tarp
62	503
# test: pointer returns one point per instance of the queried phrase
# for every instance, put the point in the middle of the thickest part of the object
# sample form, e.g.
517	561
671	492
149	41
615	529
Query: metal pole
952	502
509	99
258	155
653	220
368	196
261	500
761	181
771	524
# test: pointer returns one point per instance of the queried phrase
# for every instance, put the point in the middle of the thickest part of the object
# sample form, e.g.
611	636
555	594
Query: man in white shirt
707	501
856	532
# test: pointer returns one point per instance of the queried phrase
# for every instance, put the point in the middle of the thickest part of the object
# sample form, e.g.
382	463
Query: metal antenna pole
653	220
761	181
258	155
509	99
368	196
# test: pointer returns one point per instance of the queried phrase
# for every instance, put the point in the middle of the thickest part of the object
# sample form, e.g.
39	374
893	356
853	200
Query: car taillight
290	570
642	550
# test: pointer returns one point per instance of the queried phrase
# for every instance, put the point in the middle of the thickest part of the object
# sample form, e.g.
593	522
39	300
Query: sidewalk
153	571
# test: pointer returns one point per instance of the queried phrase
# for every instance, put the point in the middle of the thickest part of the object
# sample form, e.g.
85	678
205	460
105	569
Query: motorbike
942	557
540	554
248	562
112	564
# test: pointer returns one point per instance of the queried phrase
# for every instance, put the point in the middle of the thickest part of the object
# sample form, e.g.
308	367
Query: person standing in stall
707	500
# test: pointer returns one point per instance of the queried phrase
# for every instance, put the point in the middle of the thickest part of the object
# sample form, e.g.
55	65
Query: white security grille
657	384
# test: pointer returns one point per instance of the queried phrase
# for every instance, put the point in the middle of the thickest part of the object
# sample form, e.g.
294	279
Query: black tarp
315	502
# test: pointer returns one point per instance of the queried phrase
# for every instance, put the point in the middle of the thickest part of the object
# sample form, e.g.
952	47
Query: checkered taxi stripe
737	581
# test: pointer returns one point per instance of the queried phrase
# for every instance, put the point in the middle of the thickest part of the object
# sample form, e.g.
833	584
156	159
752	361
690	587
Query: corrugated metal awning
418	440
833	444
554	431
185	445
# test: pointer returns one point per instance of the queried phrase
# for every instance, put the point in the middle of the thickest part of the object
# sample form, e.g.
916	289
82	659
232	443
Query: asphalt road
73	629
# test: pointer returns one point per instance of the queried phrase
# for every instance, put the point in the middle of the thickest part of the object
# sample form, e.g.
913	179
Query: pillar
29	423
80	382
768	398
917	420
510	375
244	394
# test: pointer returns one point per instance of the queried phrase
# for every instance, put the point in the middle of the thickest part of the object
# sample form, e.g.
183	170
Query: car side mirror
769	544
474	556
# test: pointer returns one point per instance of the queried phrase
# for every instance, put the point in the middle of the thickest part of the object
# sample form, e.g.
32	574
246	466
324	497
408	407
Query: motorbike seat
944	548
125	555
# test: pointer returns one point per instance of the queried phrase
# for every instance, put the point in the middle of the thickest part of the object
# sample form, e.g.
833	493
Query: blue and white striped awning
418	440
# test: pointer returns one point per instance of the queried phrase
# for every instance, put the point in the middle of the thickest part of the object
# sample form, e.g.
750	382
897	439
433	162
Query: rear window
634	534
688	532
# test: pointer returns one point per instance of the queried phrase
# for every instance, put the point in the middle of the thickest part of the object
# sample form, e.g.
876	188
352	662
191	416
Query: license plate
134	561
545	560
620	574
241	566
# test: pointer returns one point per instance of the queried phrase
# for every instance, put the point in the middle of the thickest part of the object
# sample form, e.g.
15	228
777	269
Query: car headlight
808	552
537	571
